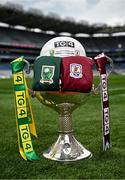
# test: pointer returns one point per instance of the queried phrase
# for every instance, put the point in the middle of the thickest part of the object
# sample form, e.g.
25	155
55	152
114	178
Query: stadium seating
14	43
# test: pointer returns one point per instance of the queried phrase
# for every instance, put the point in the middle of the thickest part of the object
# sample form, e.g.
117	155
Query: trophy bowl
66	148
63	101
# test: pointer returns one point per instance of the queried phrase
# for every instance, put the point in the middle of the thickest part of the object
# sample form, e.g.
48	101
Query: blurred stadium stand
19	38
15	43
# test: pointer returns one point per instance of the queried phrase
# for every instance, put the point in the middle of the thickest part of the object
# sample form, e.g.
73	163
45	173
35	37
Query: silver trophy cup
66	148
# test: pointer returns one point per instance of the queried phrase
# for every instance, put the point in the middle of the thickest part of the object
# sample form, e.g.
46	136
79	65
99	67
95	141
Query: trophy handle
108	61
28	66
27	71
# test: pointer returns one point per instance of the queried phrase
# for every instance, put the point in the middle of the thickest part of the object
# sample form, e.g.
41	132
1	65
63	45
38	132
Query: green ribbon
17	66
32	156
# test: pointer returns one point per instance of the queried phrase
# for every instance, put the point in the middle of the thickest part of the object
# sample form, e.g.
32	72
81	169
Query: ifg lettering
106	121
64	44
104	87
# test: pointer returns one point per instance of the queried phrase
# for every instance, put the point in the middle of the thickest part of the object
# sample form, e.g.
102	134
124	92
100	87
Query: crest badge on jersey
47	74
75	70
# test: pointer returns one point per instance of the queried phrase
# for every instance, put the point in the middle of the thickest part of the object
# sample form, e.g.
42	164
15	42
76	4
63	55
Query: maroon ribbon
101	62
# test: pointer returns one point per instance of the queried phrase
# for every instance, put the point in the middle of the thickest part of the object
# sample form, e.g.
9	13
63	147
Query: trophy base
66	149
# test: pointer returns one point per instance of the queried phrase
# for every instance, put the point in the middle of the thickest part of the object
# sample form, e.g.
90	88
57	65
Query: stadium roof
100	35
32	20
118	34
82	35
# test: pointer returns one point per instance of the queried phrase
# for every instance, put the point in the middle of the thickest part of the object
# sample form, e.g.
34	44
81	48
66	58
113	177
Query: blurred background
24	28
27	26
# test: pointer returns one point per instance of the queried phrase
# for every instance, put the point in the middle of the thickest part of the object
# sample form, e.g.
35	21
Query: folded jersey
77	74
46	73
73	73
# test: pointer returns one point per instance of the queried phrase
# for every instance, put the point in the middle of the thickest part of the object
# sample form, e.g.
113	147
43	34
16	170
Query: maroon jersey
76	74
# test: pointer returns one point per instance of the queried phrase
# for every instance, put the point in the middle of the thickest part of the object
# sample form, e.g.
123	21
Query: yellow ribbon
24	116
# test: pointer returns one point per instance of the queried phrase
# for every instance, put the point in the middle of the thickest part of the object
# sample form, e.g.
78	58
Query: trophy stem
66	148
65	118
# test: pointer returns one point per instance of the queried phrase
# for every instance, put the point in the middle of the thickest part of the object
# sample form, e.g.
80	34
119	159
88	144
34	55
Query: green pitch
87	129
